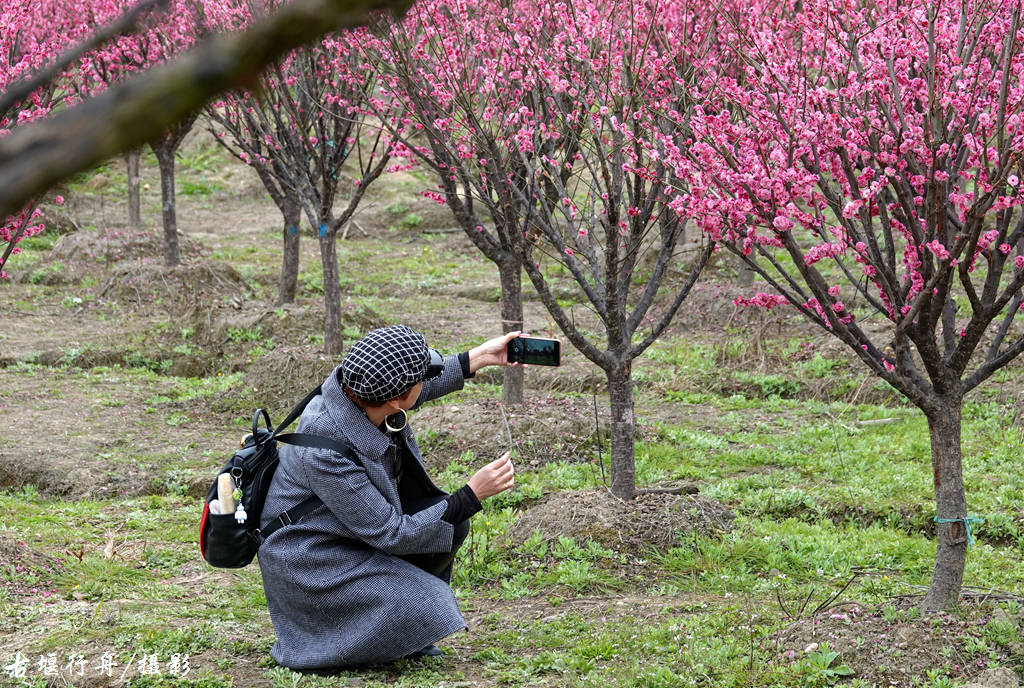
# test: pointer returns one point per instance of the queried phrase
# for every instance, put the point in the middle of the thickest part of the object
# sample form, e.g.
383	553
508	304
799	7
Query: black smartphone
535	351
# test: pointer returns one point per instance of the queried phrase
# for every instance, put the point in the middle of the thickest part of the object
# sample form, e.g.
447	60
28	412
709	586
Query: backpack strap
286	518
299	408
303	439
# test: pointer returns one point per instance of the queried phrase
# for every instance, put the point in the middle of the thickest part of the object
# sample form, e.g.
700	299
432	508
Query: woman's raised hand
492	352
497	476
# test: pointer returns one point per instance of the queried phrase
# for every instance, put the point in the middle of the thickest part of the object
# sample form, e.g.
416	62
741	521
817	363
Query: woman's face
408	400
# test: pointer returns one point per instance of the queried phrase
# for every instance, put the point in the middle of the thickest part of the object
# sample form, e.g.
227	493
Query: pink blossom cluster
549	84
761	300
872	141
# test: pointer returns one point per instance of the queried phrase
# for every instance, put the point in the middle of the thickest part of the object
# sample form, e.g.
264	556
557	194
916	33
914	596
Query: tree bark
292	213
944	427
333	340
511	277
620	393
745	275
131	159
165	159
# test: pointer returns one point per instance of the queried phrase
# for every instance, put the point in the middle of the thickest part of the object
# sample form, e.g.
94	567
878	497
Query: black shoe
428	651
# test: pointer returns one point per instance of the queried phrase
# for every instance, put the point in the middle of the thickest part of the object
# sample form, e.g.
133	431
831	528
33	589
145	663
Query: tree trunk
131	159
165	159
332	293
292	213
620	393
511	276
746	275
944	427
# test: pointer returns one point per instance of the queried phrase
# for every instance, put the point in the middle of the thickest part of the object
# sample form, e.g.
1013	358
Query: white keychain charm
240	514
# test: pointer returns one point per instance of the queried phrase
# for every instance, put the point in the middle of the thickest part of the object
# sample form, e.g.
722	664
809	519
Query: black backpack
231	540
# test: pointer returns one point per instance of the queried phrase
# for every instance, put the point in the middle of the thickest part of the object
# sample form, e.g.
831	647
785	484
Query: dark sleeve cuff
464	362
461	505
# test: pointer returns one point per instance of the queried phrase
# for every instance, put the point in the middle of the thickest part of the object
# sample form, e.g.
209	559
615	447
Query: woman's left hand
492	352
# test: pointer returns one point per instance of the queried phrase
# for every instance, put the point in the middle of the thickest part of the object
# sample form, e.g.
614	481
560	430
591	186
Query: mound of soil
657	520
287	325
62	472
886	649
143	283
281	378
113	246
50	478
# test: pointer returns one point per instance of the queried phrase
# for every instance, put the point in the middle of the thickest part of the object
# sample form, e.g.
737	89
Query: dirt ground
62	423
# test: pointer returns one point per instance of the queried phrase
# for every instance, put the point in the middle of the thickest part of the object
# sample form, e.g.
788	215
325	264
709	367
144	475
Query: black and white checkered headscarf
386	363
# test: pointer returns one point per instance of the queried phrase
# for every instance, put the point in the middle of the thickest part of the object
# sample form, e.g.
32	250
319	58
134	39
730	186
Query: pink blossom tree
32	35
163	36
542	114
255	126
865	162
309	135
37	155
113	61
432	66
245	125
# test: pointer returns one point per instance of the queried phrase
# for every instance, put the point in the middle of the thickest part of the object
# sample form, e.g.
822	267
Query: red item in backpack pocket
202	528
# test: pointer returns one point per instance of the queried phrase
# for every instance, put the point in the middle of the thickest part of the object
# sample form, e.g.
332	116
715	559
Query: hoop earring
405	421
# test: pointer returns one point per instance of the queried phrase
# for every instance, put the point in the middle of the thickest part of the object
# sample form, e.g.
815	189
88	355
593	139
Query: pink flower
59	200
816	253
760	300
1019	262
938	249
1013	180
782	223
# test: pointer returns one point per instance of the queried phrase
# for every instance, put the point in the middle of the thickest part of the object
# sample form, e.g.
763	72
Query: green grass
792	545
773	428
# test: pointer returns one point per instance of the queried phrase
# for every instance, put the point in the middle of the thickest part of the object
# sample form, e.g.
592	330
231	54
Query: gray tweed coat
334	600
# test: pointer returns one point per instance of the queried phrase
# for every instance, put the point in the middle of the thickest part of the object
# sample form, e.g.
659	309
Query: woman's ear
407	400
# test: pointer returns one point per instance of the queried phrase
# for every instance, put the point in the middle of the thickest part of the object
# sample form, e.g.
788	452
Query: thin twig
508	429
825	605
597	433
782	606
682	489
